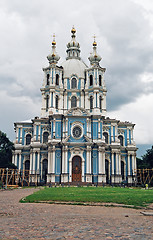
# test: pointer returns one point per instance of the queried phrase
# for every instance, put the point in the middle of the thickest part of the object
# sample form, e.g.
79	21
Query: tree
146	161
6	147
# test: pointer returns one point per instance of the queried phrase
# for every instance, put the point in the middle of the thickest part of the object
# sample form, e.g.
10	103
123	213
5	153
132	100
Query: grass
127	196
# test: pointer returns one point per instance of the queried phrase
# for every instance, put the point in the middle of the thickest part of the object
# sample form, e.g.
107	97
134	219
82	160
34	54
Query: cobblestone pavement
47	221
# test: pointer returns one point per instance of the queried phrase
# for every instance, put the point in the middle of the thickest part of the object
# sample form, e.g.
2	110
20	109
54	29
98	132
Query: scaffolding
144	176
15	177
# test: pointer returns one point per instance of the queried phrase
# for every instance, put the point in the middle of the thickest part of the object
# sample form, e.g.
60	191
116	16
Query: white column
66	130
70	170
87	127
38	162
63	160
103	161
119	163
34	160
128	164
49	160
54	127
88	160
82	100
16	159
53	159
112	137
19	161
66	155
112	162
31	163
99	128
100	160
82	170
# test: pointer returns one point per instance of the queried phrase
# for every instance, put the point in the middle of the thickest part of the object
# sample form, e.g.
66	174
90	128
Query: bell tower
95	85
52	87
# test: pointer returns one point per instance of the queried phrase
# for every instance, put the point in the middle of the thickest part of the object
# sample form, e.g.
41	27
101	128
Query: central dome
74	67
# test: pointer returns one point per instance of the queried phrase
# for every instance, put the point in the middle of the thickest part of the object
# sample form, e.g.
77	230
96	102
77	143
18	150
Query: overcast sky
124	31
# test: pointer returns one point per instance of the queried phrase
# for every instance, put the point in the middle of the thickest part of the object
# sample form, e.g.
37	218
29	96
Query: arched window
121	139
45	137
48	78
100	102
44	170
122	169
57	79
28	139
74	83
73	102
27	167
105	134
91	102
56	102
47	103
91	80
100	81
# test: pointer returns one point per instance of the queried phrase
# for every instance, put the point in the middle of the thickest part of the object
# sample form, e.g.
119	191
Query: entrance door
76	169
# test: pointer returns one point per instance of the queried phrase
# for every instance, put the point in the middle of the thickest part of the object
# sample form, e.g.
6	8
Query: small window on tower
105	134
91	102
74	83
100	102
48	79
57	79
73	102
91	80
121	139
100	80
45	137
56	102
47	103
28	139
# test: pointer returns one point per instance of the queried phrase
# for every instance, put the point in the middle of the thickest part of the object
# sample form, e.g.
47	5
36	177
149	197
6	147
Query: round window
77	131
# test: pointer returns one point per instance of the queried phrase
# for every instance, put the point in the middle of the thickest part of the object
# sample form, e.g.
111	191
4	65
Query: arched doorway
122	169
44	170
107	171
76	169
27	167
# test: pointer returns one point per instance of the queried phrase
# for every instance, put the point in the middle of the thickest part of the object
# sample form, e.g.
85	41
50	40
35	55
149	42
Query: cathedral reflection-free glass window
91	102
28	139
74	83
73	102
106	137
45	137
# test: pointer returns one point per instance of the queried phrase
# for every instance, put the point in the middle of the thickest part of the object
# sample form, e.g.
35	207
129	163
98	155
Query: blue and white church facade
74	141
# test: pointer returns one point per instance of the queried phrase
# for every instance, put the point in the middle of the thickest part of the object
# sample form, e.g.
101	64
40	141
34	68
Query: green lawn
127	196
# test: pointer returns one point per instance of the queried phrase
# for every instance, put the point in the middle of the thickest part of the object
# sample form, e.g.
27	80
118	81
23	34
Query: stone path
47	221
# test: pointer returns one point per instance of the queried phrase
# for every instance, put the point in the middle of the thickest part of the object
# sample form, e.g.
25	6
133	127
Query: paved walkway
45	221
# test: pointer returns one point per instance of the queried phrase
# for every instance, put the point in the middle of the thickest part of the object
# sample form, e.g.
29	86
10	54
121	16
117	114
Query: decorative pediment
77	112
120	131
28	130
106	128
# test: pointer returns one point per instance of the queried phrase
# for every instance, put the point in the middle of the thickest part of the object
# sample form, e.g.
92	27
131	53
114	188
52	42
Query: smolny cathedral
74	141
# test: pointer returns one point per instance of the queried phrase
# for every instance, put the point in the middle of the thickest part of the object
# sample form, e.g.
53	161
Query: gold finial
73	30
54	42
94	43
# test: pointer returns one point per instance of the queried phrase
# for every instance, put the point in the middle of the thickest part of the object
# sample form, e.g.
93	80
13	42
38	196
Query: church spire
53	58
73	47
94	57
